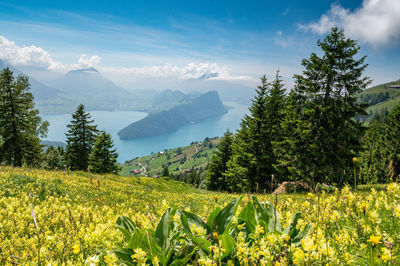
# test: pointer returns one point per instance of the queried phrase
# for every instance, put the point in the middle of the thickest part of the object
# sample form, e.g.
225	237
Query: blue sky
241	39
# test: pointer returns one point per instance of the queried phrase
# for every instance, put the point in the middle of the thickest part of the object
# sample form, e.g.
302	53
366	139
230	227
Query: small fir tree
54	158
218	163
103	158
165	172
80	139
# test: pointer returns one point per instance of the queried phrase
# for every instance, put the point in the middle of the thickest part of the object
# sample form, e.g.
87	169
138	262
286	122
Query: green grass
197	156
390	103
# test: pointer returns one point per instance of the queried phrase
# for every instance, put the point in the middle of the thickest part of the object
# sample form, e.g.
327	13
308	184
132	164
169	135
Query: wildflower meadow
76	218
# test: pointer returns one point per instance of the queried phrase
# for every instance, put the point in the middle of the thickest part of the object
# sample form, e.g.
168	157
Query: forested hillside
380	99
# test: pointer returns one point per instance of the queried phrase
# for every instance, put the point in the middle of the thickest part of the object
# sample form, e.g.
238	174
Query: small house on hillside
394	86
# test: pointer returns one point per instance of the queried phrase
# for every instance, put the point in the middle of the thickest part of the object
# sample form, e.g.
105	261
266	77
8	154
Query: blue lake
112	122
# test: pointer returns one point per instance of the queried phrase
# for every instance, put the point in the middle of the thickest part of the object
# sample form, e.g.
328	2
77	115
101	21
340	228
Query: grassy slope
156	162
394	96
72	208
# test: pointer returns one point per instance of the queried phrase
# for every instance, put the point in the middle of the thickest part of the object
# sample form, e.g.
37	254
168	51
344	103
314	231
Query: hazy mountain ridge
202	107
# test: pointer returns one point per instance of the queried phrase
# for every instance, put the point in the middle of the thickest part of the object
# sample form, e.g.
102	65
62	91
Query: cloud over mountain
376	22
38	57
188	71
26	55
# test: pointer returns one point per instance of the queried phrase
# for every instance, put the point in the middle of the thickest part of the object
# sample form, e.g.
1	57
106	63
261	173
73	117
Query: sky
240	40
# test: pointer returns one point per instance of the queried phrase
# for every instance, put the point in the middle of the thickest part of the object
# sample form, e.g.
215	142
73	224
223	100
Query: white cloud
376	22
36	56
27	55
85	61
189	71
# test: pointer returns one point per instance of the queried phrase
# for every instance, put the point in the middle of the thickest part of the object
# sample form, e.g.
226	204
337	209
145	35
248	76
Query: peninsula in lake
204	106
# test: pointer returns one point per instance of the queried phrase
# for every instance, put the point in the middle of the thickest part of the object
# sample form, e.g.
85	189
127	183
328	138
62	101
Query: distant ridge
90	69
202	107
380	98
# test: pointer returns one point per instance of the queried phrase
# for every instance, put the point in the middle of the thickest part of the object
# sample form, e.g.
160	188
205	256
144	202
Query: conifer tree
328	88
276	101
20	123
372	157
391	147
103	158
218	163
165	172
54	158
80	139
250	166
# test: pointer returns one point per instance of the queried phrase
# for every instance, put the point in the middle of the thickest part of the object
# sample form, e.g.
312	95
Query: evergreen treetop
103	158
80	139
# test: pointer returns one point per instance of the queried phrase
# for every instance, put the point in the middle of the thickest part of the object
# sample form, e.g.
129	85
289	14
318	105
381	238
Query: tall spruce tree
20	123
276	102
328	91
372	157
218	164
80	139
103	158
252	164
391	147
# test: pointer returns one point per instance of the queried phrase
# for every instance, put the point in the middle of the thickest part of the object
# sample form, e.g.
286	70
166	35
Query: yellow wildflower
397	211
307	243
76	248
355	160
375	240
363	207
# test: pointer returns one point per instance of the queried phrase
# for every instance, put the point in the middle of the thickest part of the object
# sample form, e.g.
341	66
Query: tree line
310	134
21	128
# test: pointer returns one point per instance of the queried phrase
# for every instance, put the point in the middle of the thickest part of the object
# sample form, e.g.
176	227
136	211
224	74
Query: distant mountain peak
209	75
89	69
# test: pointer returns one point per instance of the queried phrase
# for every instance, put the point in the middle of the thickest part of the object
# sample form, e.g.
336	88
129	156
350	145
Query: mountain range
204	106
57	93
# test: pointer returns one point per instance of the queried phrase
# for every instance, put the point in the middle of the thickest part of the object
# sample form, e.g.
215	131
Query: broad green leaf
139	239
228	243
302	234
248	216
188	218
224	217
212	216
144	239
164	229
291	229
124	255
268	214
275	221
261	212
126	226
202	243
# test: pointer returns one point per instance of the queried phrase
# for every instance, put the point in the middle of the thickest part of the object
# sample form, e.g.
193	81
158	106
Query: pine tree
391	147
54	158
250	166
20	123
276	101
372	157
165	172
80	139
218	163
328	88
103	158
